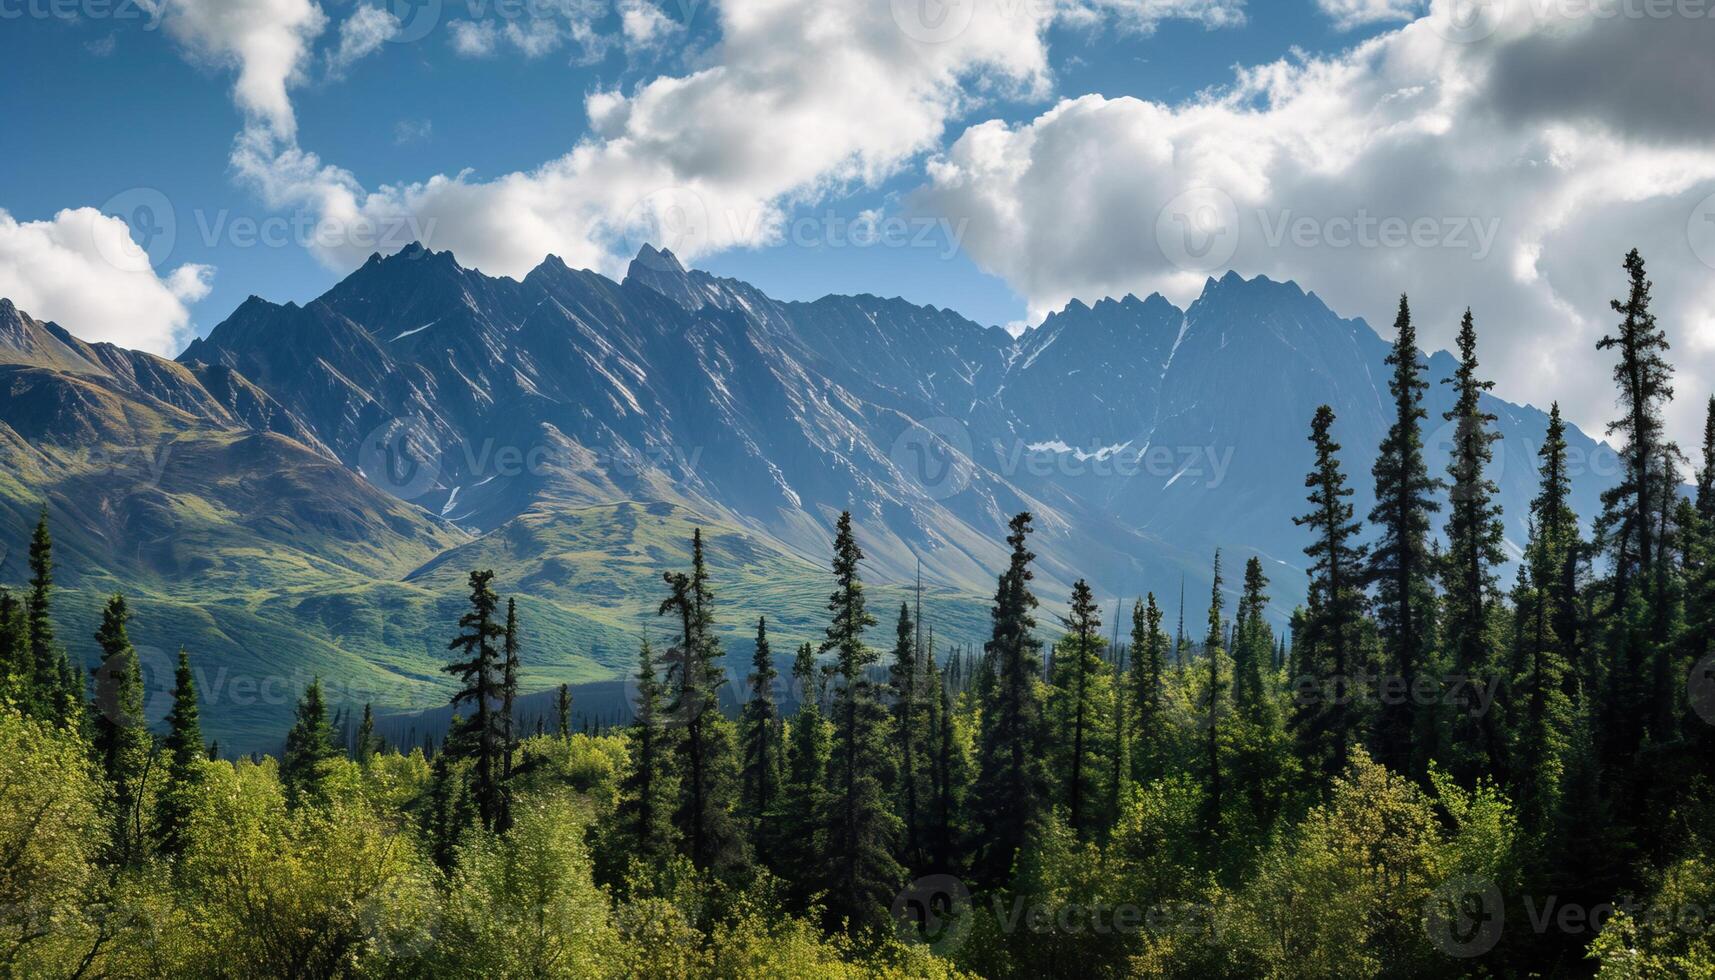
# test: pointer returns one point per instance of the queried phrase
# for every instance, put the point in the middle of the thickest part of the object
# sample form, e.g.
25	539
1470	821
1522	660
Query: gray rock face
1142	435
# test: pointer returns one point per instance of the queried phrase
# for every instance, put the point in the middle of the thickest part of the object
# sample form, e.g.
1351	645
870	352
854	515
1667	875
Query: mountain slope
312	483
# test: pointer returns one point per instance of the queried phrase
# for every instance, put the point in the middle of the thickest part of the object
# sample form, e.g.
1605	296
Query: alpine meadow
472	522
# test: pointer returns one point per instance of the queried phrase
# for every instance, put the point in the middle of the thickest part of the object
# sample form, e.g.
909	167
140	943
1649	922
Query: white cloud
800	99
475	38
540	28
1144	15
1408	126
644	25
361	35
268	41
82	270
1348	14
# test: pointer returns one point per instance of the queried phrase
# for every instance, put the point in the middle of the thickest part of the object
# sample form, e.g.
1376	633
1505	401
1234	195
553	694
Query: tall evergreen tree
1399	564
1645	381
121	733
1706	474
1077	704
309	745
1627	527
1010	794
803	803
481	677
1326	724
904	679
1149	691
1214	708
708	777
758	735
862	828
1474	536
563	712
948	780
1253	649
509	690
50	697
185	754
367	744
645	795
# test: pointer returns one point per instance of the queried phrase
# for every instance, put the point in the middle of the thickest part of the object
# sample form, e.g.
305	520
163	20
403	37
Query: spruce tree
947	844
863	830
646	794
563	712
760	779
185	755
367	744
1474	538
1645	379
1399	564
1253	650
1010	795
1214	709
480	673
121	733
1077	704
1148	691
904	681
509	694
1326	722
53	695
1627	527
1706	474
802	804
309	745
707	772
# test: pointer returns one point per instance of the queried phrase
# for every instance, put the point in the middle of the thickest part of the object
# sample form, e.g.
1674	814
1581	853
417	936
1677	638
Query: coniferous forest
1433	769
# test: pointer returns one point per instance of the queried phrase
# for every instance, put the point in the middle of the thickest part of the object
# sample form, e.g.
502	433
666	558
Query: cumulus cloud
801	99
267	41
361	35
1348	14
643	25
1412	162
83	270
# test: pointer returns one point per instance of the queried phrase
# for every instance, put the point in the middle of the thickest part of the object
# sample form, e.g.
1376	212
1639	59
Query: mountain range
301	492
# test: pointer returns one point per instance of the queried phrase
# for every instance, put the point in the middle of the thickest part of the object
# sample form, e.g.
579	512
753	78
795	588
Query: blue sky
1466	154
99	106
